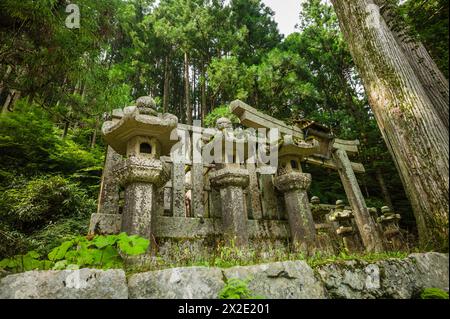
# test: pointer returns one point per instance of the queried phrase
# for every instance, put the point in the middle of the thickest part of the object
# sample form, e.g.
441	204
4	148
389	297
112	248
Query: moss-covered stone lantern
142	137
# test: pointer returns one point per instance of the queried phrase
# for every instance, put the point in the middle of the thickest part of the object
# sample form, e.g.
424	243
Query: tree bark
432	79
187	90
410	124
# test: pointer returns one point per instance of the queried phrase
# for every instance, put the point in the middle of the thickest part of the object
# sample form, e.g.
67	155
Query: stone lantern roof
140	120
293	146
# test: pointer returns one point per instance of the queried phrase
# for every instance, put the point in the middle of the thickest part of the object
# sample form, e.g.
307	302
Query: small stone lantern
291	181
142	137
319	213
389	224
343	217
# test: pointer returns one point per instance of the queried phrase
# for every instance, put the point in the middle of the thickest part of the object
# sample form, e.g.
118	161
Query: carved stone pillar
231	182
141	177
294	185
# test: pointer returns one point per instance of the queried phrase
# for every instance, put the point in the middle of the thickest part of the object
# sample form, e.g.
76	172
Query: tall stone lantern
142	137
294	184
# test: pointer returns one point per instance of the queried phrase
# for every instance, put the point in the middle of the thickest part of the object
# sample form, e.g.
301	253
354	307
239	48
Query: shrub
31	144
39	214
43	200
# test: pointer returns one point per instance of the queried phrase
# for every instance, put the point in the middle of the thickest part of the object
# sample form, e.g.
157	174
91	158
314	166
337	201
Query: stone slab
281	280
177	283
65	284
392	278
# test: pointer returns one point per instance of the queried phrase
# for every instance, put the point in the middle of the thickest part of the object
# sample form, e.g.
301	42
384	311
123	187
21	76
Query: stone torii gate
332	153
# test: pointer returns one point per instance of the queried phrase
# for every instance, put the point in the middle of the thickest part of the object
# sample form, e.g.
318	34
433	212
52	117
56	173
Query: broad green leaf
103	241
133	245
59	252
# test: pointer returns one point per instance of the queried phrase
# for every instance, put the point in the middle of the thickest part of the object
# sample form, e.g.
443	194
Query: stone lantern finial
223	123
315	200
146	105
340	204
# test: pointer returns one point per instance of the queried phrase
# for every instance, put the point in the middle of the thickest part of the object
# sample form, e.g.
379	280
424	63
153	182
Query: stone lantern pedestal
140	177
231	182
291	181
294	185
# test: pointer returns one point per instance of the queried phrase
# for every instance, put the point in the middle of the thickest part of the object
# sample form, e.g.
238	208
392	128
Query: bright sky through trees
286	14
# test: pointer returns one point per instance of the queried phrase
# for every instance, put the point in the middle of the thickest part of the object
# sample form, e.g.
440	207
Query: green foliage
48	185
100	252
433	293
29	261
40	213
31	144
33	205
429	20
236	288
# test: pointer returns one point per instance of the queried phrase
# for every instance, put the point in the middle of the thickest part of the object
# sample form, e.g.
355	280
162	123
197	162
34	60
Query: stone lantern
343	217
319	213
142	137
231	180
291	181
389	224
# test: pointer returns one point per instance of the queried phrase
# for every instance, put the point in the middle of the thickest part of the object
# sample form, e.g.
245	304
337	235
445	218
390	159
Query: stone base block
105	224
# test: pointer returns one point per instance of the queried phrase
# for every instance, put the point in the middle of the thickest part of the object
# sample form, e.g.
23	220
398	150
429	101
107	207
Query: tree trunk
66	129
384	189
8	100
166	86
4	78
187	90
94	133
11	99
204	111
410	124
432	79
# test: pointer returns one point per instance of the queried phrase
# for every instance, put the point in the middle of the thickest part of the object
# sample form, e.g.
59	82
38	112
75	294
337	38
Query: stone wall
392	278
